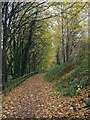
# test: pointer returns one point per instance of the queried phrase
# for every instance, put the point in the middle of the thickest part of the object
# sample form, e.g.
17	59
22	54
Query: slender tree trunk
67	45
58	56
0	46
63	45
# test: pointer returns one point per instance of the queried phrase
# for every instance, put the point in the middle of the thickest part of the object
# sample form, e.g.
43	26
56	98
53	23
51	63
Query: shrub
73	83
59	70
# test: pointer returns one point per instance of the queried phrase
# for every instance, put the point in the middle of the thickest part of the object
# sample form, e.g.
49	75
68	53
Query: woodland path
37	98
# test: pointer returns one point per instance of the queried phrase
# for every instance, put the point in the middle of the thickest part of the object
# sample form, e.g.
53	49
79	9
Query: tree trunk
58	56
67	45
5	39
63	45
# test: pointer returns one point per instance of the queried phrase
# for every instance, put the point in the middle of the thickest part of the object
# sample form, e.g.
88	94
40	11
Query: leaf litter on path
37	98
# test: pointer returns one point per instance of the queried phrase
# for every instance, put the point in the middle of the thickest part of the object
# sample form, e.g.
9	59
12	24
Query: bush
73	83
54	73
59	70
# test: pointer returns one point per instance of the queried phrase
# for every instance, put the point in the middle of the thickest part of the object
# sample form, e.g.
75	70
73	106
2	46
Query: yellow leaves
31	95
60	113
49	103
59	105
71	108
4	116
6	107
78	104
79	88
41	101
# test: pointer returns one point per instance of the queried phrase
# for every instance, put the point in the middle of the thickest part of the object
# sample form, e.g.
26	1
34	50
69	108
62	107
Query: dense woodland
46	37
37	36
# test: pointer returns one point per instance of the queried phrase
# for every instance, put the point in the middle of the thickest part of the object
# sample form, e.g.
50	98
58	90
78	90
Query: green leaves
69	83
87	102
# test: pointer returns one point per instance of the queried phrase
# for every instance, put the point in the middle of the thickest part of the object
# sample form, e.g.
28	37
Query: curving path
37	98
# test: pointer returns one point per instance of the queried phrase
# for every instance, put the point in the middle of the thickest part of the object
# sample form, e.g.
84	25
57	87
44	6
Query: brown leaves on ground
37	98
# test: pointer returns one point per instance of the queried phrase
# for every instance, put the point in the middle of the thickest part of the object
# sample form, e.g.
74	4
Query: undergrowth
72	83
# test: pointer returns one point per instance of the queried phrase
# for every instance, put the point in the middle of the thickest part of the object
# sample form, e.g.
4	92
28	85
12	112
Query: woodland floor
37	98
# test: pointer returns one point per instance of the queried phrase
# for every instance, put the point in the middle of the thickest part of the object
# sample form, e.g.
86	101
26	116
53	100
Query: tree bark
63	45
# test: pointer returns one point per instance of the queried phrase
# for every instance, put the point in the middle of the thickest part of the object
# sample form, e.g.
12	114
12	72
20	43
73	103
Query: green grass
69	78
